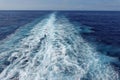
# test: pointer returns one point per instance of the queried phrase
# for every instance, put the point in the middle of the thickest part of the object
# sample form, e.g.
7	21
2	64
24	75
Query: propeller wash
53	49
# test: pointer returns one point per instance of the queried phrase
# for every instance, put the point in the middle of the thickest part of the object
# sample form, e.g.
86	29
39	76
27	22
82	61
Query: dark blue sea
59	45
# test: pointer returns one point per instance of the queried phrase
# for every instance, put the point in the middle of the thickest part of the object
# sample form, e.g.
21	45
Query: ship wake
54	50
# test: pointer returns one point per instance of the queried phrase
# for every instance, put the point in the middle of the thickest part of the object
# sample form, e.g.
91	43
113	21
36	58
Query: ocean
59	45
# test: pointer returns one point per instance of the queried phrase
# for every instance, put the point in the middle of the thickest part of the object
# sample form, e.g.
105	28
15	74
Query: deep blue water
97	32
12	20
105	27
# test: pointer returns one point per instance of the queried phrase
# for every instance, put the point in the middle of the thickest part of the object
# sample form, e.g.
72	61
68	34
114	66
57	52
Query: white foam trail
54	50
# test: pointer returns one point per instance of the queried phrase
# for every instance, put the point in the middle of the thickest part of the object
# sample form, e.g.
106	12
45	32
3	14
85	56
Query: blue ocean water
63	45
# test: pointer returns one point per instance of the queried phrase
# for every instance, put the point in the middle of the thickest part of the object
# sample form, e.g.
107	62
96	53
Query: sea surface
59	45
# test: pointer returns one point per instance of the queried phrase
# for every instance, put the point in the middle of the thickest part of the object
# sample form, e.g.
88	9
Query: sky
112	5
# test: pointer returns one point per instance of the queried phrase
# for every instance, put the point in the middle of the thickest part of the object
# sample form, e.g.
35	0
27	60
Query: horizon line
51	10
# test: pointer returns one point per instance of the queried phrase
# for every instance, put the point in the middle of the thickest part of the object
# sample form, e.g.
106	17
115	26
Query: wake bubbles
54	50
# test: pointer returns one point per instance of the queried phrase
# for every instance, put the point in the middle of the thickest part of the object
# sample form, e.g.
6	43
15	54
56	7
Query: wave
54	50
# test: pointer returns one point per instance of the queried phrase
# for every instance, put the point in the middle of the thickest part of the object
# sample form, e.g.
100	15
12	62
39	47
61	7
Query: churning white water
54	50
